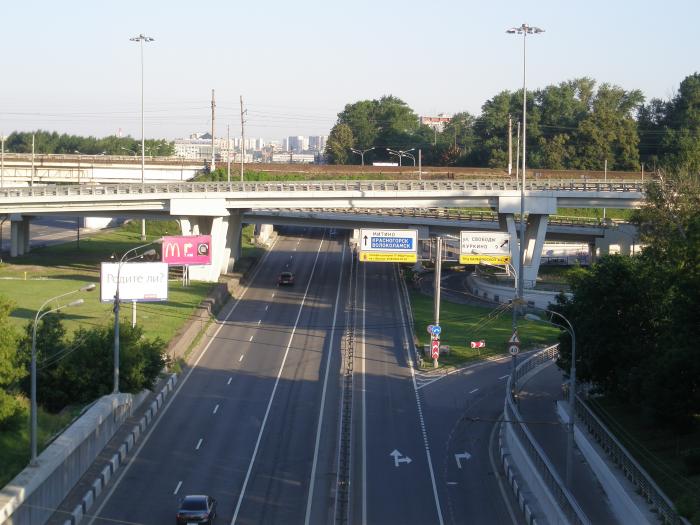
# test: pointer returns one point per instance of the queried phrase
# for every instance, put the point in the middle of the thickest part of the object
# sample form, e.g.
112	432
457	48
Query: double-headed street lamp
402	153
33	408
361	153
124	259
524	30
572	388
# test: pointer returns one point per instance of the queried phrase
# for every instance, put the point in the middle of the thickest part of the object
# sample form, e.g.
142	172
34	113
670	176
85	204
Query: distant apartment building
297	144
437	123
317	142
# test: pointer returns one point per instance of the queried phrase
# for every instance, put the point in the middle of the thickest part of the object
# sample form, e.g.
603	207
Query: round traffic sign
430	329
436	329
513	349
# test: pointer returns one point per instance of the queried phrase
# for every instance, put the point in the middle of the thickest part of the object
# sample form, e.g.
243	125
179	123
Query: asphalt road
244	424
43	231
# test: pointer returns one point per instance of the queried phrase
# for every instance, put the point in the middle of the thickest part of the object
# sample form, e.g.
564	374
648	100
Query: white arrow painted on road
463	455
398	459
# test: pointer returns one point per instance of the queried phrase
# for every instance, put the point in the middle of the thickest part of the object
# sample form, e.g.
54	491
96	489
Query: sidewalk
537	404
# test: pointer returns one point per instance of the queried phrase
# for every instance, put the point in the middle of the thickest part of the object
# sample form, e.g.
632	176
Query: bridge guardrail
313	186
566	502
632	470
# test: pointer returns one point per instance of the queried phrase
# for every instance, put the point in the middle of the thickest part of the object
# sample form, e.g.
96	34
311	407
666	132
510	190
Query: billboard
187	249
138	281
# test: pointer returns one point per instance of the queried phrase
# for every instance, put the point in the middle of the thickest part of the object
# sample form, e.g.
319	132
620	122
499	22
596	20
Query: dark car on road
196	509
286	278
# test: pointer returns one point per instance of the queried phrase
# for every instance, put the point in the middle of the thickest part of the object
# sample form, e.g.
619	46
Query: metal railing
632	470
356	186
566	502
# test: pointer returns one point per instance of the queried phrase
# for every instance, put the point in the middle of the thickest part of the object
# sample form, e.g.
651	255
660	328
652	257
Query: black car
196	509
286	278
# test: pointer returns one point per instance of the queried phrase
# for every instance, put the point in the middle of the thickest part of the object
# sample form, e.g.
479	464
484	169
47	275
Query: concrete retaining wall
29	499
504	294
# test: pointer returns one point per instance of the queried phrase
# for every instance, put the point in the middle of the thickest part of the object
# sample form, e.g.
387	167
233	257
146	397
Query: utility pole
606	180
242	138
510	145
2	161
438	272
213	116
420	167
228	153
32	174
517	156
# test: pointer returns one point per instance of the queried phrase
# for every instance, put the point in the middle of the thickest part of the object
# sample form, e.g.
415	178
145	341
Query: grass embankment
462	324
50	271
659	451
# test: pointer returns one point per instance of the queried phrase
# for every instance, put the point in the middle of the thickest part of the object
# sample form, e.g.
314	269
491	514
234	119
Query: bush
691	461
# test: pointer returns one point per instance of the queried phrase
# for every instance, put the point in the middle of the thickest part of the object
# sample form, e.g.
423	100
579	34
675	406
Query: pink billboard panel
187	250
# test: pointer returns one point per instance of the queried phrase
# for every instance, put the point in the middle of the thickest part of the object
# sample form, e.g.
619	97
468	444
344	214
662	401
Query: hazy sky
69	66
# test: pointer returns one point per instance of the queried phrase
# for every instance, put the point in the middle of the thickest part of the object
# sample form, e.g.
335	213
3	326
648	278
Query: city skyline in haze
70	67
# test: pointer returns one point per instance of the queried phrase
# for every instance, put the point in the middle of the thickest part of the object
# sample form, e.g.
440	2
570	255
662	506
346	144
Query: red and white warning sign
435	348
479	344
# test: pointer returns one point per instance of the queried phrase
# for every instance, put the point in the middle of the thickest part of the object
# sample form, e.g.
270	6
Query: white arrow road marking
179	484
398	459
463	455
267	307
230	379
240	358
216	409
199	443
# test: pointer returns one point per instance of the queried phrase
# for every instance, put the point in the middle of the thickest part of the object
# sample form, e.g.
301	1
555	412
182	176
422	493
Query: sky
70	67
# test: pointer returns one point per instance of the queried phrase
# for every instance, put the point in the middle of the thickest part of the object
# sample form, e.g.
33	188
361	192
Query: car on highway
197	508
285	278
333	233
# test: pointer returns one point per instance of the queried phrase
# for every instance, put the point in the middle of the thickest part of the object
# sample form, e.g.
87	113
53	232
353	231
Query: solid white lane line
274	389
118	480
323	395
267	307
199	443
229	380
216	409
240	358
364	397
259	321
402	288
475	390
179	484
503	377
251	338
273	295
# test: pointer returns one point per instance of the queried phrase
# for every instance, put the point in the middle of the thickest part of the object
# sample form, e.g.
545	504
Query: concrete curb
514	484
118	459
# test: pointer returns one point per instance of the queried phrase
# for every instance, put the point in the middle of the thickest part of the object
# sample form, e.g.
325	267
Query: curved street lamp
572	387
361	152
33	407
123	261
401	153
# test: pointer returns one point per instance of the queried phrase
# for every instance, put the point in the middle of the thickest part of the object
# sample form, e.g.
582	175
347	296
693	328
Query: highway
255	421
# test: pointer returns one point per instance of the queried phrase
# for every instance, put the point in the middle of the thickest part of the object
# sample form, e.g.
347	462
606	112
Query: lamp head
77	302
533	317
90	287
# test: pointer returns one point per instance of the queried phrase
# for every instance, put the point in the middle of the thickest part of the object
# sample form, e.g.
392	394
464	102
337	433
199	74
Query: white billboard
138	281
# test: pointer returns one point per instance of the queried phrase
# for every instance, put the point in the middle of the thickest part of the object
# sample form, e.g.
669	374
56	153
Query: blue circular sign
436	329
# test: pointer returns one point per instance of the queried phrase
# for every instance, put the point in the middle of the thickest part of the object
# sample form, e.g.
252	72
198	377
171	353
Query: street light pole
361	153
402	153
2	162
572	390
33	407
141	39
524	30
123	261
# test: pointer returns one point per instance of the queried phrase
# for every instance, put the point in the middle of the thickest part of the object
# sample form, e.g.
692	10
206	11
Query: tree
11	371
681	142
339	143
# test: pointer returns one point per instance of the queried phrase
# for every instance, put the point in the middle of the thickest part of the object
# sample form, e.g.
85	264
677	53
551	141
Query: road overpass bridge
218	208
20	169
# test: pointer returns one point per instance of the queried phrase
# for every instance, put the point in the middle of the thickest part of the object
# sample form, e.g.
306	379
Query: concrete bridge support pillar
263	232
225	243
19	235
535	231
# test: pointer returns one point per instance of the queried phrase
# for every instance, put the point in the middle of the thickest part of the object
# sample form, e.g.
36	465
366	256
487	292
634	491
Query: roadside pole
438	272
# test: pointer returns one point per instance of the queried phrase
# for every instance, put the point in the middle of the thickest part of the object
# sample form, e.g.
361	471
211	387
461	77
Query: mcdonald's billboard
187	250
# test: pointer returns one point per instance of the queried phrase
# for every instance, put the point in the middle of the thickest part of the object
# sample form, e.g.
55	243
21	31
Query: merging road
255	421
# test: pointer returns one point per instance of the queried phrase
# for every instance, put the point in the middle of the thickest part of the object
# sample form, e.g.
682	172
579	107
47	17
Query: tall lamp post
402	153
141	39
524	30
33	408
124	259
361	153
572	388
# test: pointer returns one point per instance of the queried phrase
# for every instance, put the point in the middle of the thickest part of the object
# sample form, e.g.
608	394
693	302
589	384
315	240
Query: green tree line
576	124
55	143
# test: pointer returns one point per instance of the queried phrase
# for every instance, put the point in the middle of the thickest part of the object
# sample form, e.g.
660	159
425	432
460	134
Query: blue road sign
437	330
392	243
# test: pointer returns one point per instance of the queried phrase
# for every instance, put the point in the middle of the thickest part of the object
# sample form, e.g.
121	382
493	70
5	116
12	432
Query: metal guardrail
632	470
566	502
326	186
448	214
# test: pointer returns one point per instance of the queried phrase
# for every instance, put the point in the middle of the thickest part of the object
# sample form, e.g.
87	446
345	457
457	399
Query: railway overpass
219	209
